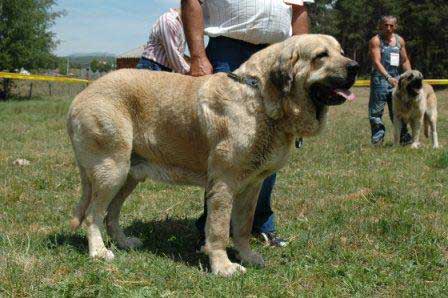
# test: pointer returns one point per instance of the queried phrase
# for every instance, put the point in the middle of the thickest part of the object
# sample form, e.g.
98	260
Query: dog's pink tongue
347	94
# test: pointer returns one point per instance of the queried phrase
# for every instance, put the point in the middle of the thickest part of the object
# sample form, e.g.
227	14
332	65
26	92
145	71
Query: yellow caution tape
18	76
366	83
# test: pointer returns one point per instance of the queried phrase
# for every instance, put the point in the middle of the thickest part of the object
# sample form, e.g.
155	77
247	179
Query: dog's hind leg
426	127
113	215
432	119
107	177
86	195
242	218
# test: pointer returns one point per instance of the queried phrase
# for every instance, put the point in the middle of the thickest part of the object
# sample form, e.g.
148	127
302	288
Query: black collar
251	81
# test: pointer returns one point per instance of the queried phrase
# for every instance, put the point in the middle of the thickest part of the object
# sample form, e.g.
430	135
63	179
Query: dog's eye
321	55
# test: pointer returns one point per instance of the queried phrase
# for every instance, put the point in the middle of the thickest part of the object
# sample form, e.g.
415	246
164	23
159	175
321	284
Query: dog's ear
281	75
281	78
280	81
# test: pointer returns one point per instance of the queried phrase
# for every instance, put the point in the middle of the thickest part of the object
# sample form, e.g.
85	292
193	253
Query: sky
111	26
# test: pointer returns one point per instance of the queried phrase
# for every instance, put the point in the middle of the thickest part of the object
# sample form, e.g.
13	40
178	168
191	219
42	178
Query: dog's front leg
416	124
242	219
219	208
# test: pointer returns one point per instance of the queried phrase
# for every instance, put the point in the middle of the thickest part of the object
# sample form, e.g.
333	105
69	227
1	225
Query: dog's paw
104	254
415	145
131	243
228	269
251	258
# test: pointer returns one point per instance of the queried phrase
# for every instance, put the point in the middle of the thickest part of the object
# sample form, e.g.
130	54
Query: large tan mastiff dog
223	132
414	102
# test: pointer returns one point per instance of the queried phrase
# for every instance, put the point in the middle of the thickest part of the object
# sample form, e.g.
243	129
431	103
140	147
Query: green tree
422	23
101	65
26	39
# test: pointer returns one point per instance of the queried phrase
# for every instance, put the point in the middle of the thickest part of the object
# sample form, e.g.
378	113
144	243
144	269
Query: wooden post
49	88
31	90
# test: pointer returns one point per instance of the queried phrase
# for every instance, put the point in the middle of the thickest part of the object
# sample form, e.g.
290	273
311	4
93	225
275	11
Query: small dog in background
414	102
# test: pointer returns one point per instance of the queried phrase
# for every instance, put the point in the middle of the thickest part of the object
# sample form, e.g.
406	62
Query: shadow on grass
173	238
78	242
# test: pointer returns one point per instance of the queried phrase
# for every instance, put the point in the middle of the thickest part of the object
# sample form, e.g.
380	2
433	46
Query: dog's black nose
352	68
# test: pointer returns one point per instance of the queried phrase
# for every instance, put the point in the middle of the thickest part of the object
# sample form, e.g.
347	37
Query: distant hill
82	60
92	54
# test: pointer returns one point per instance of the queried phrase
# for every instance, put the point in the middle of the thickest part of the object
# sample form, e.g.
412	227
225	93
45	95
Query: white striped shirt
254	21
166	43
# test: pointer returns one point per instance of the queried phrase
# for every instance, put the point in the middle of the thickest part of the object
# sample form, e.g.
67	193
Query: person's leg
216	54
144	63
147	64
226	55
377	101
264	220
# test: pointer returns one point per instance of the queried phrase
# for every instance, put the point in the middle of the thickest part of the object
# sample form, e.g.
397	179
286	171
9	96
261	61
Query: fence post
31	90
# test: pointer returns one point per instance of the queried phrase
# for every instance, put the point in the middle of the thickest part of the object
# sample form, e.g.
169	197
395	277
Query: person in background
237	29
388	52
165	48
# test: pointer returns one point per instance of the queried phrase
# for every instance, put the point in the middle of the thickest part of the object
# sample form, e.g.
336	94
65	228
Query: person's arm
375	54
300	21
193	21
170	41
405	62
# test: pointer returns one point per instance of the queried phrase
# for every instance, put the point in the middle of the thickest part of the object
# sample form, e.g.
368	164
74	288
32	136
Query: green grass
361	220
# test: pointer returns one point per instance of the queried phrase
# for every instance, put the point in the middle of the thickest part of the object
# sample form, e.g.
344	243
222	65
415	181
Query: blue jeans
380	95
226	55
144	63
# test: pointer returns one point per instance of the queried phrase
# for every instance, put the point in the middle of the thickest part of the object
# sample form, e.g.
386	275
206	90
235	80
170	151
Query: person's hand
200	67
393	82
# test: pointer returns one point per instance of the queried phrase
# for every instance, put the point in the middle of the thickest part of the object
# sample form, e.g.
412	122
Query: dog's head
317	64
411	82
308	74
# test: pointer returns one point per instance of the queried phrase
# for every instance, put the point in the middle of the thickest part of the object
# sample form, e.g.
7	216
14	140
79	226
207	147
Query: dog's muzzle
335	91
415	86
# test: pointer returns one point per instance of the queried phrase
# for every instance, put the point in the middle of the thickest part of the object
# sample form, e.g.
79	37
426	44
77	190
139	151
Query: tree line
422	23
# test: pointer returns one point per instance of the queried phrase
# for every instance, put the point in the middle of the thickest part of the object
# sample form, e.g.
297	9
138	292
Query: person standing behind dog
165	48
388	52
238	29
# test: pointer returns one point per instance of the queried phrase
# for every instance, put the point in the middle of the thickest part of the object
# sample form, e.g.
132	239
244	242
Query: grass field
361	221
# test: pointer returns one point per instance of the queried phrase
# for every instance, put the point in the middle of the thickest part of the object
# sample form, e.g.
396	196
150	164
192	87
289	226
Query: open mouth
331	94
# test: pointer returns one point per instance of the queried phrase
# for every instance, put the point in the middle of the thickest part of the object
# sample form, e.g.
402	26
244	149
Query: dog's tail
426	126
86	196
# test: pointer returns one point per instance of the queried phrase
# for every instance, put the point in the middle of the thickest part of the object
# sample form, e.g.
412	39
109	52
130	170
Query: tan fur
210	131
417	109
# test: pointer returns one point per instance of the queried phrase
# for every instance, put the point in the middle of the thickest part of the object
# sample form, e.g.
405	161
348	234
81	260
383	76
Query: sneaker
299	143
405	139
200	245
378	142
378	138
271	239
